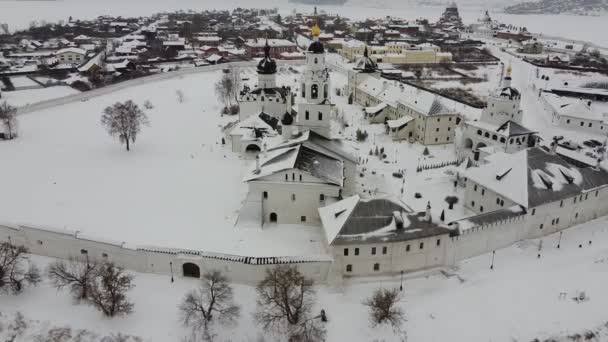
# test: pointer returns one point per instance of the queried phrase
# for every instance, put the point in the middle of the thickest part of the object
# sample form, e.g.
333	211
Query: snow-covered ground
19	98
517	301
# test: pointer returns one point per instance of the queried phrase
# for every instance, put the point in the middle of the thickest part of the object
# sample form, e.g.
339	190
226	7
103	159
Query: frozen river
18	14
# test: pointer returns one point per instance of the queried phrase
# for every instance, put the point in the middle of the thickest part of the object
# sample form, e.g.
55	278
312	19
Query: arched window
191	270
314	91
325	91
265	194
487	135
316	60
273	217
478	132
494	137
502	140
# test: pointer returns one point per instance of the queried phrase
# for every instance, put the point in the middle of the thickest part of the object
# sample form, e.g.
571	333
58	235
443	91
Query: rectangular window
104	255
373	250
345	251
321	197
376	267
561	203
320	116
438	242
557	220
84	251
384	250
421	245
356	251
293	197
302	218
541	226
307	115
533	211
349	268
407	248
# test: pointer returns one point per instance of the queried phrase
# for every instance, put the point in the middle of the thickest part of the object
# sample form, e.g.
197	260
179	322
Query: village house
71	55
256	47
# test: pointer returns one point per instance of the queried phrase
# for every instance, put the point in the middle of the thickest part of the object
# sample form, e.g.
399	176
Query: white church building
500	126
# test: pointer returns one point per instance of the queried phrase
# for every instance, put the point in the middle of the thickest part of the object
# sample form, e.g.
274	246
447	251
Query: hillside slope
582	7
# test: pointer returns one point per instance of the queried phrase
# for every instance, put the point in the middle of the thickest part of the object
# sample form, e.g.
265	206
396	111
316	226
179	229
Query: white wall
60	243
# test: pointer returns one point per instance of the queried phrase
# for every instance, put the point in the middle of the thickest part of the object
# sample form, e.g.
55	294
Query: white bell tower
315	108
503	104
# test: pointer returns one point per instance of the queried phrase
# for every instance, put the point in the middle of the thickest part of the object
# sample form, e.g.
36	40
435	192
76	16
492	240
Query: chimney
427	215
397	216
257	164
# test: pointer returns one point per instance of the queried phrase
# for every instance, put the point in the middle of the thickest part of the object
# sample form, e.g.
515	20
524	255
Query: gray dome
267	65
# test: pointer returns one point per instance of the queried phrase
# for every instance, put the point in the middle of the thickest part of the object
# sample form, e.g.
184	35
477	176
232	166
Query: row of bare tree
284	303
284	306
101	284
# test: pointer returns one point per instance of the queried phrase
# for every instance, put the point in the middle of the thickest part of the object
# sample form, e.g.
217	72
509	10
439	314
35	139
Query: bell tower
315	108
503	103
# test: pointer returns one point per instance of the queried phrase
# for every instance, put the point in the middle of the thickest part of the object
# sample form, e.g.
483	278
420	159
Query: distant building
255	47
71	55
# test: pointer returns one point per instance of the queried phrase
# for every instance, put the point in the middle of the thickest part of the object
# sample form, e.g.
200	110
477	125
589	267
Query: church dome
316	47
267	65
287	119
366	64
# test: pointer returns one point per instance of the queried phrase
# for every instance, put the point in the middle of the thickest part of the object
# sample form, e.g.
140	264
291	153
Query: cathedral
500	126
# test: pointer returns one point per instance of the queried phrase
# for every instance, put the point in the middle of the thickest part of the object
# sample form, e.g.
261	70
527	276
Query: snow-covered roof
248	127
535	176
71	50
333	147
271	42
354	220
402	121
376	109
317	164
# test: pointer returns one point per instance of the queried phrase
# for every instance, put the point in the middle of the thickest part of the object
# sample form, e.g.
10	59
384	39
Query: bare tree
77	275
108	293
8	117
224	88
213	299
148	105
384	309
284	302
237	83
16	270
124	120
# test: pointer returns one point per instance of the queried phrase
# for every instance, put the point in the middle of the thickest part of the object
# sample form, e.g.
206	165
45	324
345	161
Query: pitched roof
512	128
534	177
402	121
310	139
354	220
307	160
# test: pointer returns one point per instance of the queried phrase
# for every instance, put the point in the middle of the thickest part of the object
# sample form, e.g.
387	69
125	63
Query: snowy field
20	98
178	187
516	302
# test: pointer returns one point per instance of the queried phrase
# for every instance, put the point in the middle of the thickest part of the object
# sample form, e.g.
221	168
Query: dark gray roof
538	159
510	92
369	216
320	165
280	91
316	47
366	64
514	129
267	65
